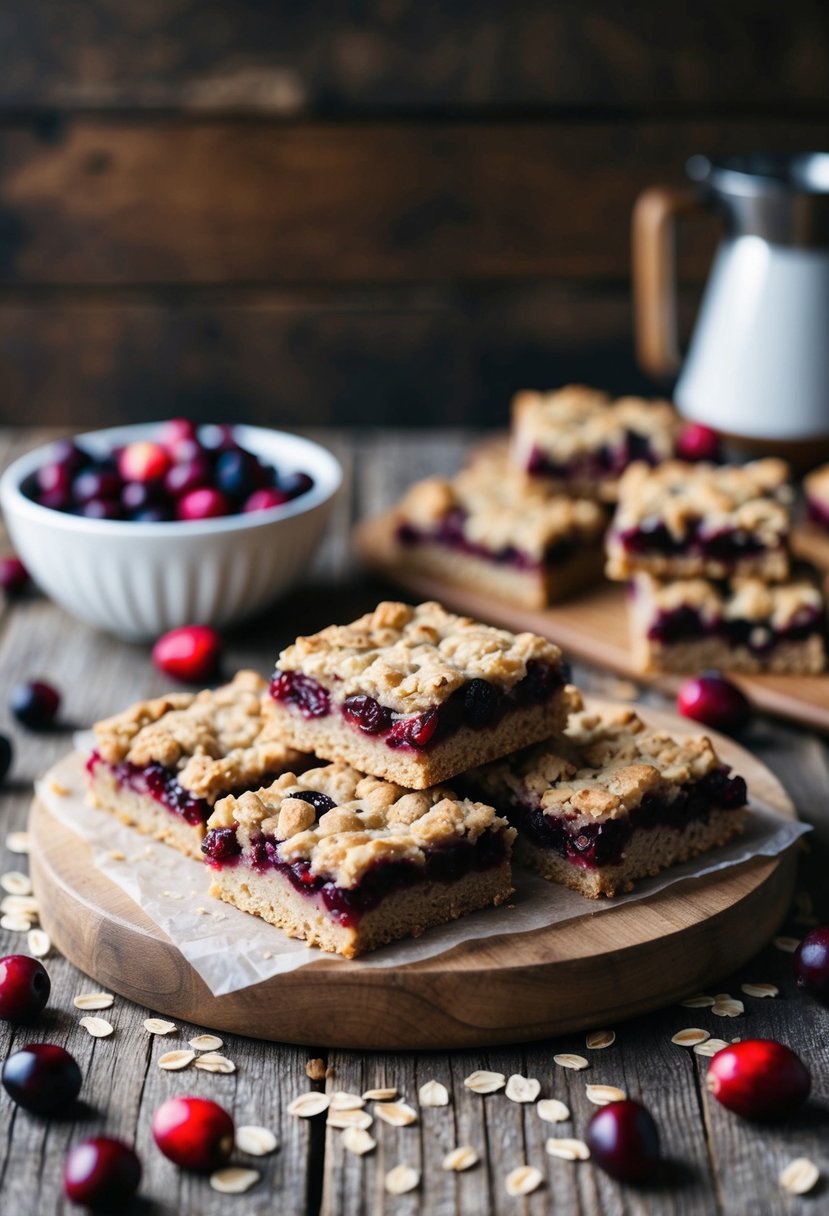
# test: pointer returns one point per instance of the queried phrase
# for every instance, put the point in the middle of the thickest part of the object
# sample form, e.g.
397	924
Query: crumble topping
502	509
779	605
753	497
214	740
601	768
816	485
576	420
411	659
371	821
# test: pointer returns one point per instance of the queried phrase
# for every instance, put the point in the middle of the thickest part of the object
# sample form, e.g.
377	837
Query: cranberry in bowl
137	544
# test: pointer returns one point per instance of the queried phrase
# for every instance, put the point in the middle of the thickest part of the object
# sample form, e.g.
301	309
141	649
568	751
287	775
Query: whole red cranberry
203	503
811	963
35	704
194	1133
14	577
623	1139
295	484
714	700
24	987
190	653
188	475
101	1174
698	442
42	1078
263	500
97	484
143	461
176	431
759	1079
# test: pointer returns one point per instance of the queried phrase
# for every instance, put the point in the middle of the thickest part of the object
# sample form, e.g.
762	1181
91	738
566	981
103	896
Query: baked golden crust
776	606
576	420
371	821
412	659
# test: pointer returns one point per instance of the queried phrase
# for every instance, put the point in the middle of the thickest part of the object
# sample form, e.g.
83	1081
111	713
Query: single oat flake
257	1141
305	1106
401	1179
15	922
99	1028
731	1008
567	1150
603	1095
212	1061
20	905
380	1095
233	1180
159	1026
710	1047
522	1089
433	1094
700	1001
18	842
598	1039
690	1037
39	943
551	1110
357	1140
799	1176
16	883
173	1061
340	1100
523	1180
461	1158
760	990
483	1082
398	1114
94	1000
568	1060
206	1042
349	1118
787	944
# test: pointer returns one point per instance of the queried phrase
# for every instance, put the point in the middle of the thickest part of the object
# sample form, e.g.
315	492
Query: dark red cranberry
319	801
14	577
56	501
54	478
96	483
415	732
811	963
265	499
101	1174
35	704
539	683
310	698
759	1079
6	756
295	484
624	1140
102	508
67	453
158	514
143	461
368	714
194	1133
482	703
221	844
24	988
714	700
238	473
189	475
204	503
698	442
176	431
190	653
218	437
42	1078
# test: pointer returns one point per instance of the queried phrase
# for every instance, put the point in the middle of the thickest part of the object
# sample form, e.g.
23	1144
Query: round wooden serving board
596	970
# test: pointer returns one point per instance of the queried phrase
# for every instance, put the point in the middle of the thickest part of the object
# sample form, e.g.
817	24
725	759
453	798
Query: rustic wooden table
716	1163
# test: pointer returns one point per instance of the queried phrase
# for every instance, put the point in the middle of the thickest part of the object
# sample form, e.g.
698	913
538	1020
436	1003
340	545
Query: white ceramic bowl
138	580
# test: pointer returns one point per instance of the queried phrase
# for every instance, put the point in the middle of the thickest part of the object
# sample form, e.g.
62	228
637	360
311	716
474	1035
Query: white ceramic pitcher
758	363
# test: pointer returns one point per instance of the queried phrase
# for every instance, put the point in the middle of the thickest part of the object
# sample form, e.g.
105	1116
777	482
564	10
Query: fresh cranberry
14	577
368	714
54	477
194	1133
415	732
295	484
204	503
698	442
136	495
310	698
35	704
264	500
57	500
67	453
759	1079
24	987
96	483
190	653
218	437
623	1139
811	963
238	473
143	461
6	755
101	1174
188	475
714	700
177	431
42	1078
157	514
102	508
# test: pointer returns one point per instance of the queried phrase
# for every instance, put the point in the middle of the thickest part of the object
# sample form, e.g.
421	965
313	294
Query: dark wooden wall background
395	211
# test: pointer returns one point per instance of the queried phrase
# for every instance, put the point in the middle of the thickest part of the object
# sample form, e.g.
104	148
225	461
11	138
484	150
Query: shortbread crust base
407	913
806	657
332	738
144	814
647	853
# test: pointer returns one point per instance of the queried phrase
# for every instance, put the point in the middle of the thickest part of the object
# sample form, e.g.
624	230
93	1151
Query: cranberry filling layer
606	461
730	544
347	904
449	532
476	704
686	623
602	844
156	782
817	512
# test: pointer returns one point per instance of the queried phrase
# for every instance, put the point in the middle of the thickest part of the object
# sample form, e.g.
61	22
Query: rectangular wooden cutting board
591	627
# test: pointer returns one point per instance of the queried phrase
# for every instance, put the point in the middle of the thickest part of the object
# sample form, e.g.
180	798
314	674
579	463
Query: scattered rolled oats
690	1037
602	1095
567	1150
15	922
99	1028
522	1089
398	1114
787	944
483	1082
315	1070
206	1042
523	1181
257	1141
159	1026
700	1001
380	1095
15	883
799	1176
730	1008
568	1060
18	842
173	1061
710	1047
349	1118
760	990
401	1179
233	1180
94	1000
21	905
461	1158
305	1106
340	1100
39	943
551	1110
433	1094
357	1140
212	1061
597	1039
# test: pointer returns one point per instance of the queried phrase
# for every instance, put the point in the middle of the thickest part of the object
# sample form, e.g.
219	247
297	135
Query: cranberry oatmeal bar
715	521
491	529
161	765
688	625
613	801
349	862
579	441
417	695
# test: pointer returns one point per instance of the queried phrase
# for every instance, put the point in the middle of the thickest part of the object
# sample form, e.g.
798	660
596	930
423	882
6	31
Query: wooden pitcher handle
654	275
